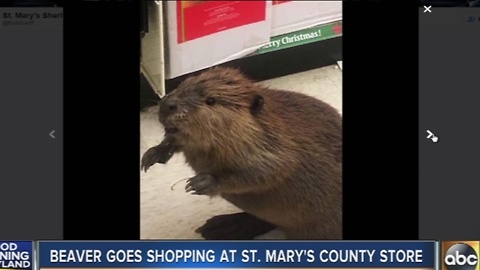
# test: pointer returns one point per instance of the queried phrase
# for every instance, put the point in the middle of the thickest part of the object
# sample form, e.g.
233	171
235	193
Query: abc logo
461	257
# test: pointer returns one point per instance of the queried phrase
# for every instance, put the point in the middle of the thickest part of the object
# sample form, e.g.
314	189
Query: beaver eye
210	101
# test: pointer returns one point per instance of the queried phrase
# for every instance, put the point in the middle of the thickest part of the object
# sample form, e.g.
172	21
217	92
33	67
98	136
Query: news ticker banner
55	255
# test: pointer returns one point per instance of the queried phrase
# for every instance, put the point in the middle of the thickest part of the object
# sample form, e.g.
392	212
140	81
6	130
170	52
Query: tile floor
170	213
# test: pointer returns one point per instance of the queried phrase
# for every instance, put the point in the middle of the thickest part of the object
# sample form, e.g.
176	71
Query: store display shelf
302	37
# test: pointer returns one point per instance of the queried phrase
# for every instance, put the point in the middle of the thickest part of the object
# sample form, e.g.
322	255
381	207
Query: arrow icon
432	136
51	134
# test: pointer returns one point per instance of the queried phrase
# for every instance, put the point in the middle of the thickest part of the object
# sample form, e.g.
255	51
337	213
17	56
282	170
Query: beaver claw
202	184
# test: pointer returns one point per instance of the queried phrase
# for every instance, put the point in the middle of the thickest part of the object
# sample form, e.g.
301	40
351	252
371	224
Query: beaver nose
168	106
171	107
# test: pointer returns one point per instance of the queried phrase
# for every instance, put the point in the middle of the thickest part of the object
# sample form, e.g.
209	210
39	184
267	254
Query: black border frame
101	121
380	101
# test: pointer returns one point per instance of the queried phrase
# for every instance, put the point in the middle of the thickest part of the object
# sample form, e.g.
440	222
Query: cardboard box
291	16
201	34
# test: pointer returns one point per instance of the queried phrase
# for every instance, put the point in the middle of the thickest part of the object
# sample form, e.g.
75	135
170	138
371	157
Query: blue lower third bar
237	254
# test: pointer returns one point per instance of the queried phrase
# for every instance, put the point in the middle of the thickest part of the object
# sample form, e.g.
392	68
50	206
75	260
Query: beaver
275	154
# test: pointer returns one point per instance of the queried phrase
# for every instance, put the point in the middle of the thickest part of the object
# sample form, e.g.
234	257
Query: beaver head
211	107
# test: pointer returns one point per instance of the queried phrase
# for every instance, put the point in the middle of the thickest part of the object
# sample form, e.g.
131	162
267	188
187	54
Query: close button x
427	9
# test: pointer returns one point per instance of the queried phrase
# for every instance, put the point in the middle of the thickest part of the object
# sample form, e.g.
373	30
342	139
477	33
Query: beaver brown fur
275	154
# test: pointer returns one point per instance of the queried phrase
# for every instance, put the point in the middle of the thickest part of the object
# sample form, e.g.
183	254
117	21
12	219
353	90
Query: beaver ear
257	104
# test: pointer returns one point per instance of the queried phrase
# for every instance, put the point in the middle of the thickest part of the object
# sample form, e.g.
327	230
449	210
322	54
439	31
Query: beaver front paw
202	184
158	154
